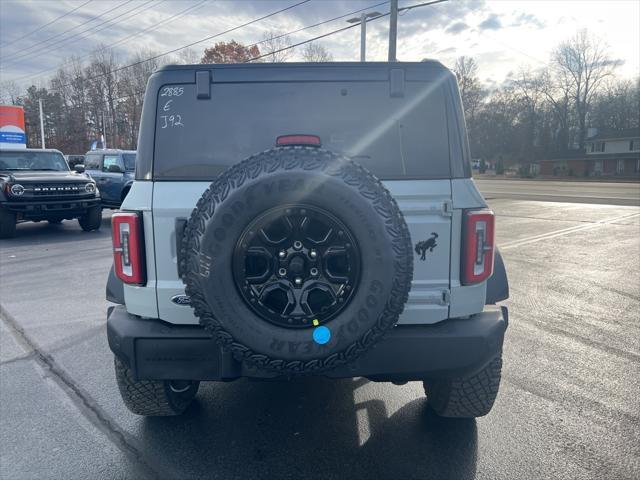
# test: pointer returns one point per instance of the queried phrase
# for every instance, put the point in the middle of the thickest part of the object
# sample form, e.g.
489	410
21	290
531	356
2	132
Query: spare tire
297	260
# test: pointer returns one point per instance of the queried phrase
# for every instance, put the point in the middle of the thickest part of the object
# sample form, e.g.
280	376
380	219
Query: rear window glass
129	161
93	162
109	160
401	137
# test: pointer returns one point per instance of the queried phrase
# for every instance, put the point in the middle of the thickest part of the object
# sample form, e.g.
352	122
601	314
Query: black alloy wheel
297	266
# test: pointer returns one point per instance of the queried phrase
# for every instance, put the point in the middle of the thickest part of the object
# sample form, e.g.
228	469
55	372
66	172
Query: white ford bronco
291	220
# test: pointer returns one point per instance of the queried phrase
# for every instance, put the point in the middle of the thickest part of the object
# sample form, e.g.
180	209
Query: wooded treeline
541	112
545	113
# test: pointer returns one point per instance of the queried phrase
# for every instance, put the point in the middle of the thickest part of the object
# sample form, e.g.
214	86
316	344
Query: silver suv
305	219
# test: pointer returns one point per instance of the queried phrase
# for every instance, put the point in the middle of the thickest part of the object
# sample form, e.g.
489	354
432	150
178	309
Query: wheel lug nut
297	245
314	271
282	254
298	281
313	254
282	272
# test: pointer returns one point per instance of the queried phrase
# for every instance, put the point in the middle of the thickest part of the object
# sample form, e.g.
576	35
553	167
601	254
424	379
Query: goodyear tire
154	398
283	185
466	397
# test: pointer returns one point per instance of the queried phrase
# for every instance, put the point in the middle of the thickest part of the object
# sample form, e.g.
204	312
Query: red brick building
608	154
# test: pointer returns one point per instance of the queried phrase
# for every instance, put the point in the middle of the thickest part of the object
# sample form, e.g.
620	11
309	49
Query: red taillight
478	246
284	140
128	247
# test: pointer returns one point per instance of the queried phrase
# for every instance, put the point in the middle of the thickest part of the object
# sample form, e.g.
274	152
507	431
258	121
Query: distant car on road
37	185
113	170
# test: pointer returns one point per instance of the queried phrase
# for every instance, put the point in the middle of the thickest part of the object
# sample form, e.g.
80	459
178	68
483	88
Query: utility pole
393	30
41	123
362	19
104	133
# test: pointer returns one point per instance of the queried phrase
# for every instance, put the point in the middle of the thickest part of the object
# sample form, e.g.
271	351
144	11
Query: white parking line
564	231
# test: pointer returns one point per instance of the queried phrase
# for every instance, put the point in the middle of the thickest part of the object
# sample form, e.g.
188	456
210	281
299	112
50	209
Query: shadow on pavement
44	232
309	428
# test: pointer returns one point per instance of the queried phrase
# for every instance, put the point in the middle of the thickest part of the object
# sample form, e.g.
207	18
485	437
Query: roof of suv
110	150
304	71
46	150
287	65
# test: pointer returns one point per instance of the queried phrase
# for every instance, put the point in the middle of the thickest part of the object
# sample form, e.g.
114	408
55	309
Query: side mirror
79	168
114	169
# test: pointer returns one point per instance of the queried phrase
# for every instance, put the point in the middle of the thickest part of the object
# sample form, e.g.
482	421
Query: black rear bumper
156	350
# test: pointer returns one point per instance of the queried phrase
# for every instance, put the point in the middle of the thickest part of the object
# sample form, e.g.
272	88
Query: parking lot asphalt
568	406
611	193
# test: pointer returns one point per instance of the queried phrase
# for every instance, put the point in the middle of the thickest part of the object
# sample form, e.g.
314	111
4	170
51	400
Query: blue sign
13	137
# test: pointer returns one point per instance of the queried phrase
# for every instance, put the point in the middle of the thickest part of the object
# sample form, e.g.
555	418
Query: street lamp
363	30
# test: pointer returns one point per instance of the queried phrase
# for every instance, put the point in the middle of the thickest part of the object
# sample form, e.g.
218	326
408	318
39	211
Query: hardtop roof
426	70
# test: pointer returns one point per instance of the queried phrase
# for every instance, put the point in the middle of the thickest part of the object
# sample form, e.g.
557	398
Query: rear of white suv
350	242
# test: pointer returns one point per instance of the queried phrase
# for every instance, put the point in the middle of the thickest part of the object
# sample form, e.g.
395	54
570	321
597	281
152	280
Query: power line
46	24
318	24
197	5
232	29
148	29
342	29
73	28
425	4
308	41
92	30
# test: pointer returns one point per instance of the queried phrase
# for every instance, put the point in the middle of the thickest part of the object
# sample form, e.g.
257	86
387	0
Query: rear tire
92	219
7	224
466	397
154	398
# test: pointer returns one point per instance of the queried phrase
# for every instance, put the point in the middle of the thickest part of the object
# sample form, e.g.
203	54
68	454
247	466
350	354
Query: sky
503	36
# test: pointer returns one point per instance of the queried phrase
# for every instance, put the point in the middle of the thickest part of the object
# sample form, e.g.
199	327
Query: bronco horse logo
424	245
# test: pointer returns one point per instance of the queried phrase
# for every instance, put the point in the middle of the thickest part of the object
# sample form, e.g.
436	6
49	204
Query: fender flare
498	284
115	288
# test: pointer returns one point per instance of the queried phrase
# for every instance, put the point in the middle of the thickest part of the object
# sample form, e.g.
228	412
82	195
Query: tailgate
425	204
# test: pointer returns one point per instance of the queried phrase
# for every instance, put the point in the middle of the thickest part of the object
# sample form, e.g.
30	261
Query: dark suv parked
38	185
113	171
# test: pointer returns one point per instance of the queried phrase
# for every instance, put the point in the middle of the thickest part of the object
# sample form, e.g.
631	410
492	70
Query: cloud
440	16
492	22
528	19
457	28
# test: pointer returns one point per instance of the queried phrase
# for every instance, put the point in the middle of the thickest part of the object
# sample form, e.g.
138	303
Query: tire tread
150	397
466	397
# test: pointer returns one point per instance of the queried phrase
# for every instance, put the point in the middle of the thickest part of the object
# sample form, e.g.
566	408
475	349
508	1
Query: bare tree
585	61
314	52
70	84
276	47
103	72
466	71
9	92
188	56
132	84
617	105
